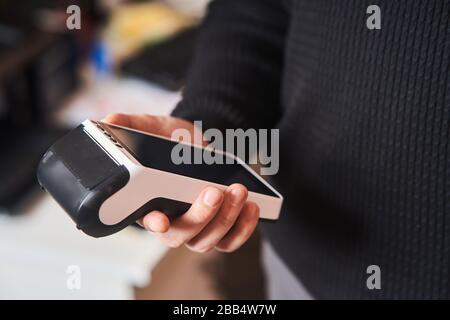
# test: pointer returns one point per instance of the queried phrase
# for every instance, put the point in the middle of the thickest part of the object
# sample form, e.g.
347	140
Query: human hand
218	219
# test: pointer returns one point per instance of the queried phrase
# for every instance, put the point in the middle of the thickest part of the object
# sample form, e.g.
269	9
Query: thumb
147	123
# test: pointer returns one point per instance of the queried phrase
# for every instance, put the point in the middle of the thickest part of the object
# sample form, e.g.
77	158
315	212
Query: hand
223	220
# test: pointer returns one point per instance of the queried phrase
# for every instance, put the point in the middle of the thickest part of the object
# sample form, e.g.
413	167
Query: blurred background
127	56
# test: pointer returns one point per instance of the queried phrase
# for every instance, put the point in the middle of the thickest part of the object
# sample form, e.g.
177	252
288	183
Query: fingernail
237	196
147	227
212	197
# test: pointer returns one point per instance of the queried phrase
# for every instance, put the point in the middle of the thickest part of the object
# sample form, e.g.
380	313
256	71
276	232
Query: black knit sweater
364	118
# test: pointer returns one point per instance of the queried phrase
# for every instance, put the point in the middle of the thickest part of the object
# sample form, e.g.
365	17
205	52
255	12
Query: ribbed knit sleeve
235	77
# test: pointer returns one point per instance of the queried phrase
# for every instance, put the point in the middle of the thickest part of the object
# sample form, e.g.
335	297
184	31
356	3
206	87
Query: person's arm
235	78
234	82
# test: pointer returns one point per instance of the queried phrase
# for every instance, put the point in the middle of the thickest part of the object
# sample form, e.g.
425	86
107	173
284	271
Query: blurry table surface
38	246
112	95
